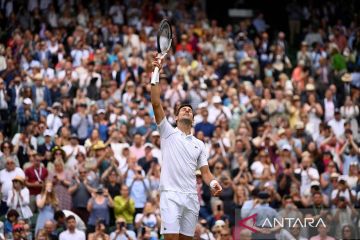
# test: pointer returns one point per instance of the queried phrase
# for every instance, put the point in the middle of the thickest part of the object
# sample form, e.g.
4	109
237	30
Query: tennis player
182	155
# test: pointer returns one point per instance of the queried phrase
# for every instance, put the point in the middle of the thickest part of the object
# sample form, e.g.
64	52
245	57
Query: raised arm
155	92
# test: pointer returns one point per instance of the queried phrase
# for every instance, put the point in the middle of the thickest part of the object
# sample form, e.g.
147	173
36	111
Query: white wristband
212	183
155	76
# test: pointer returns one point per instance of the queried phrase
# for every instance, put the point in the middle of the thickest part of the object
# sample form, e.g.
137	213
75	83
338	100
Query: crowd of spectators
278	112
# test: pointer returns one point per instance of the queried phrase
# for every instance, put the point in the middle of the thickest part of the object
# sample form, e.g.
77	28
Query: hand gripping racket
164	39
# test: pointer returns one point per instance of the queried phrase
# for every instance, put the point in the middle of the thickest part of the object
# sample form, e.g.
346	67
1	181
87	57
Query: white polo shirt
76	235
181	156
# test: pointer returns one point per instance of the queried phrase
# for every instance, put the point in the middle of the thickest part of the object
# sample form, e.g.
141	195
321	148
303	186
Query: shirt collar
183	134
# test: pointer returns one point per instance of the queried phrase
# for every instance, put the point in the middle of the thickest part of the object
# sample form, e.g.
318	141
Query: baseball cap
155	133
100	111
27	101
263	195
286	147
342	178
148	145
74	136
202	105
56	104
47	132
216	99
314	183
219	223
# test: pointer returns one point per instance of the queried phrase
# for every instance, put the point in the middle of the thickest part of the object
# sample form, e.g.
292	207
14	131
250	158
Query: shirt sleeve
203	157
165	129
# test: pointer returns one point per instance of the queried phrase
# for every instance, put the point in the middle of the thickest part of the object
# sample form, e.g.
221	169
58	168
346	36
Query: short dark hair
59	214
70	217
12	213
182	106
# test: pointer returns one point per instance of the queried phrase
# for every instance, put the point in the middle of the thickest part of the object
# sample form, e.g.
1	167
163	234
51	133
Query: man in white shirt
218	111
337	124
72	150
6	177
307	174
72	233
182	155
53	120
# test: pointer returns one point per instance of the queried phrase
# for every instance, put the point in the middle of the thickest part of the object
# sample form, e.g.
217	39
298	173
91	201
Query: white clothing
337	127
72	162
53	123
79	223
216	114
182	156
258	167
21	204
6	180
76	235
176	204
306	180
345	194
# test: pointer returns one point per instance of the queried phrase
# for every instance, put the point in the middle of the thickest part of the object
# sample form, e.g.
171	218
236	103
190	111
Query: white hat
27	101
101	111
148	145
286	147
203	105
56	104
216	99
219	223
47	132
314	183
155	133
35	64
126	145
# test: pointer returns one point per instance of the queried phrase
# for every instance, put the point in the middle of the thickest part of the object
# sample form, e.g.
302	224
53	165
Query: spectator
81	189
99	233
19	198
124	207
35	178
72	231
6	177
98	209
47	203
122	231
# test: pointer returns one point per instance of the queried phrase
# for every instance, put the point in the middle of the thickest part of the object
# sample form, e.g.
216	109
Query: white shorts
179	213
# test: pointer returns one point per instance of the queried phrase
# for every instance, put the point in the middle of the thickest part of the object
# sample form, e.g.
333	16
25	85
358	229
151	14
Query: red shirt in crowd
33	175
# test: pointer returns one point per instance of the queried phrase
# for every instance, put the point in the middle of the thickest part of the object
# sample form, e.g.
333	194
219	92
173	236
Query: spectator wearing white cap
307	174
26	113
218	110
53	120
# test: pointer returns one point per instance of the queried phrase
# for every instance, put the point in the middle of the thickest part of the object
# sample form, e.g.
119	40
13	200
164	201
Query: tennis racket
164	39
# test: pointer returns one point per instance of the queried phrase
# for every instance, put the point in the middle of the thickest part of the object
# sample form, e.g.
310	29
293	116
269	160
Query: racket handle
155	76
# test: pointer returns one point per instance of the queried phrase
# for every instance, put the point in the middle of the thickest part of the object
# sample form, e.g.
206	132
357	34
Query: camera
121	224
139	172
219	207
